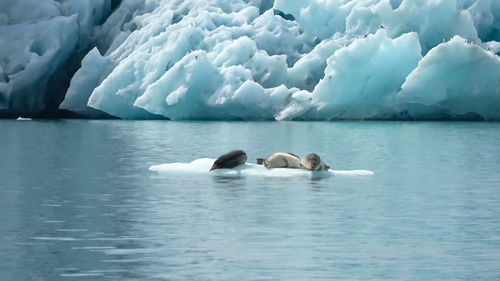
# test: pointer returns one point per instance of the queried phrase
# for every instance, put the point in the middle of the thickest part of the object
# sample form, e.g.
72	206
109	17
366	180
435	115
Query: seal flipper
260	161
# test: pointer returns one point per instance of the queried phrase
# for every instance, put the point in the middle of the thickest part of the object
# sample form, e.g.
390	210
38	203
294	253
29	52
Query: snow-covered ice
252	59
202	166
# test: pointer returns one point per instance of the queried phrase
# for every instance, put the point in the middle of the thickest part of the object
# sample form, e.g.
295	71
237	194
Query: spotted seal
280	160
312	162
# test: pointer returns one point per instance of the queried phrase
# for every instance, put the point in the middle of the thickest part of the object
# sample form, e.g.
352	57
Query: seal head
230	160
312	162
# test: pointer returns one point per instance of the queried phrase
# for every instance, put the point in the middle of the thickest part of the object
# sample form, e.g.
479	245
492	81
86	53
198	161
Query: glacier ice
182	91
31	54
252	59
351	89
94	69
475	79
41	42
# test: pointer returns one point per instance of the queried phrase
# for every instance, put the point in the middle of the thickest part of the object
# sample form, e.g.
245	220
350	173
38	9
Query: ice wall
465	83
39	40
93	71
31	54
257	59
351	89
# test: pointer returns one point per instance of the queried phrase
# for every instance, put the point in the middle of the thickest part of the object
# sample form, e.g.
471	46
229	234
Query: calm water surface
77	202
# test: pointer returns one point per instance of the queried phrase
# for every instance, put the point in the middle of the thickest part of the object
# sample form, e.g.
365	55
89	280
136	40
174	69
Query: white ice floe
202	166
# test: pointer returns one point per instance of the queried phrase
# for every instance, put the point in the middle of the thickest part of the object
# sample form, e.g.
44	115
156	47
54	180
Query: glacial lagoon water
77	202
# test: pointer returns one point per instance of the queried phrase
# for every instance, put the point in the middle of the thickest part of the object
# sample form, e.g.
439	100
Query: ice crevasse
255	59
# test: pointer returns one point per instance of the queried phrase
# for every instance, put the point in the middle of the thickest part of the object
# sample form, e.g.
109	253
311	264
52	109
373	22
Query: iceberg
456	71
41	43
251	59
94	69
32	53
362	80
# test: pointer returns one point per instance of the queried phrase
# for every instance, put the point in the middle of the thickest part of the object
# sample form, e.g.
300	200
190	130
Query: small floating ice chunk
85	274
201	167
72	230
55	238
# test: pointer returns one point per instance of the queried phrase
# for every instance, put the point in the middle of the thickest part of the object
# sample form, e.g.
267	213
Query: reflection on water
229	181
78	202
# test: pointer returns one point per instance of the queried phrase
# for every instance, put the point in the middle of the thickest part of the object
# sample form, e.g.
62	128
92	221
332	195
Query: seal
230	160
280	160
312	162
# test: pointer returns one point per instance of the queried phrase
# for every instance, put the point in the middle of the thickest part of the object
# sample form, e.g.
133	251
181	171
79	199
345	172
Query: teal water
77	202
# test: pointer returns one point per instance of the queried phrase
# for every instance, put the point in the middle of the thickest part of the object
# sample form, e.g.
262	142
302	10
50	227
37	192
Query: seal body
280	160
312	162
230	160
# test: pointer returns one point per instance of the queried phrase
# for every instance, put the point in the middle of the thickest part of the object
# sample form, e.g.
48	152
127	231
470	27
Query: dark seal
230	160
